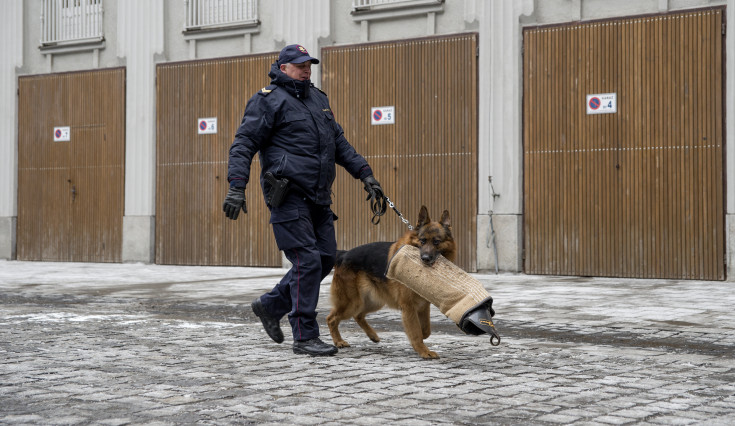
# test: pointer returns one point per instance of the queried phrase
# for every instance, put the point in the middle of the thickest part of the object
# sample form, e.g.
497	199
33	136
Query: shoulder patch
266	90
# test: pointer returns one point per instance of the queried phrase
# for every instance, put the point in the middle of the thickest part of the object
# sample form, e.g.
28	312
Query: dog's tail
340	257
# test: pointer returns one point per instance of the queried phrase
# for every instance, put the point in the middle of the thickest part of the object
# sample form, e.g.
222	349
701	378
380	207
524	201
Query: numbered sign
62	134
207	126
603	103
383	115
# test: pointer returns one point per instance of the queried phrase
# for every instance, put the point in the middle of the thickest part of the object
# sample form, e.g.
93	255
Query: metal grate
71	21
205	14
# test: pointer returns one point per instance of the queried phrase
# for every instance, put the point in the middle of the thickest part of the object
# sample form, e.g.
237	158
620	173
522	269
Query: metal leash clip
403	219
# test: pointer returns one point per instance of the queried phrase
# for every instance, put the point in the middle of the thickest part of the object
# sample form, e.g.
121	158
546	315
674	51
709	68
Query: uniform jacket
291	125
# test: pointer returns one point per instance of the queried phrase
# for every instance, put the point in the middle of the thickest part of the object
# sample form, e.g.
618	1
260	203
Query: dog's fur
360	286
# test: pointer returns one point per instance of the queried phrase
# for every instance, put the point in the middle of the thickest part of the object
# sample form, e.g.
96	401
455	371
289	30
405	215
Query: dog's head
434	238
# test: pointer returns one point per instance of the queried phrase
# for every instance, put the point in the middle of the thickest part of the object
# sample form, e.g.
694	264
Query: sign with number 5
383	115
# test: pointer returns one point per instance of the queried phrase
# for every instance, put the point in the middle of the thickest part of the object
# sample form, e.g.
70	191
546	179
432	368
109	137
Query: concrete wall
500	203
11	40
139	42
730	141
141	33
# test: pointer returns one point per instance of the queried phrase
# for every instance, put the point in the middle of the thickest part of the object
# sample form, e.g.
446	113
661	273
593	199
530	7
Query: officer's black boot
313	347
270	324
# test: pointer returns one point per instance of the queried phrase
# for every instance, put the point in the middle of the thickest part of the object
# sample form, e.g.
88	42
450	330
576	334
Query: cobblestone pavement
151	344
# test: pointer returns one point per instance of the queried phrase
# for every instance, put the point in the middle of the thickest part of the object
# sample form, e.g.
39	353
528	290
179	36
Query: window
71	22
367	10
364	5
215	14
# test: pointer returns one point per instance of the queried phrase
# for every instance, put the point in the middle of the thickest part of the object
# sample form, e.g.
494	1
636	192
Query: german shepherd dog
359	285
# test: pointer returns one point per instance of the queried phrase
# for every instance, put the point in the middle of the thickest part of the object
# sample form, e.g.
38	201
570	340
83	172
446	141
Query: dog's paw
429	355
342	344
375	338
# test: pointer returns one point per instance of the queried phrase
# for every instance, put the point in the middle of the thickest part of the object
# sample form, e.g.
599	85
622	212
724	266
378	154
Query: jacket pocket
281	165
290	117
292	125
328	114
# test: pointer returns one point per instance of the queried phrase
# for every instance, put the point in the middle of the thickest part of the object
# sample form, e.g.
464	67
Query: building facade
573	137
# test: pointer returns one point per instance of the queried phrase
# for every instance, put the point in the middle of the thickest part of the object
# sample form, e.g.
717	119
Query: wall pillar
305	23
140	38
500	140
730	142
11	39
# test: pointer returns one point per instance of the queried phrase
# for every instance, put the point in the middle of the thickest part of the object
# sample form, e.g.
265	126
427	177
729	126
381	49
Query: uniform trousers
304	231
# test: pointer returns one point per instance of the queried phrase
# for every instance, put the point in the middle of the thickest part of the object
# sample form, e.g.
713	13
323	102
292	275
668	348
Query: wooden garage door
429	156
70	193
639	192
191	168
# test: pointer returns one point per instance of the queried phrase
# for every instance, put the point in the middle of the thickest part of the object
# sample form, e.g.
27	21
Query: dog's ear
445	221
423	217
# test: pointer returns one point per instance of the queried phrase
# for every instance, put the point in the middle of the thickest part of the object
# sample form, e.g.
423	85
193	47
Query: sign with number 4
603	103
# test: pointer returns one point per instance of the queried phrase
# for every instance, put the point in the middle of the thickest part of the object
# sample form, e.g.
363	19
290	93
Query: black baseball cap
295	54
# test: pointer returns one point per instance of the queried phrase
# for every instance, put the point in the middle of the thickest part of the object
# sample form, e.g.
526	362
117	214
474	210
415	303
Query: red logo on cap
303	50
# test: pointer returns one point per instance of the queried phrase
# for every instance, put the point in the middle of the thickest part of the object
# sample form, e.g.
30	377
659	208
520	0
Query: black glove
234	201
373	189
377	199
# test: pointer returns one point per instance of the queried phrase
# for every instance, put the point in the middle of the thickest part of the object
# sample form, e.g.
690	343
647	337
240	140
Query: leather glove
373	189
234	201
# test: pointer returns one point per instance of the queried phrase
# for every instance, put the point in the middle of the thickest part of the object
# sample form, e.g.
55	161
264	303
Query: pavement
116	344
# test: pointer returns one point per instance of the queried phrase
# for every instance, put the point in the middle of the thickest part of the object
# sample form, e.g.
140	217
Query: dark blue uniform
291	125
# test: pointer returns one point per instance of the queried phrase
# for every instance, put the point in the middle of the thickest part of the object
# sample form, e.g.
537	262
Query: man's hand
373	189
234	201
376	197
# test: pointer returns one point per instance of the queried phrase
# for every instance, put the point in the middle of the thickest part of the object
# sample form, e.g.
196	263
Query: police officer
291	125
